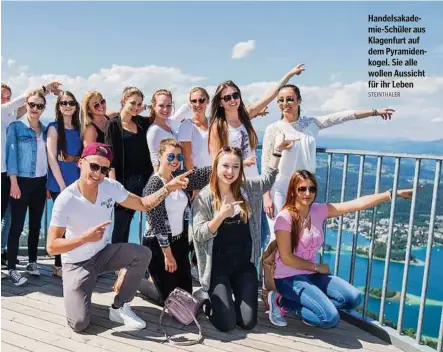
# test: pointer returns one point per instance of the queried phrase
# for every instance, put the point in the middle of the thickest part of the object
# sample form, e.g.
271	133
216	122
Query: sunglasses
172	157
100	103
66	103
38	106
303	189
287	100
133	103
95	167
229	97
200	100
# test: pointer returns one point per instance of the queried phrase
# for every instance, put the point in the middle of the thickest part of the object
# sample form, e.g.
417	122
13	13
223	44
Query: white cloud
417	110
242	49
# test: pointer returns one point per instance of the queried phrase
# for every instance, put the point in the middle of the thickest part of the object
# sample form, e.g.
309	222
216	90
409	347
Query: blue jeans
315	298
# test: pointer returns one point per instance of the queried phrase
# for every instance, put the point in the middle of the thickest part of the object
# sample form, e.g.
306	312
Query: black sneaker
16	278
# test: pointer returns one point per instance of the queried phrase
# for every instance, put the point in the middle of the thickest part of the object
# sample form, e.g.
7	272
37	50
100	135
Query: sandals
57	271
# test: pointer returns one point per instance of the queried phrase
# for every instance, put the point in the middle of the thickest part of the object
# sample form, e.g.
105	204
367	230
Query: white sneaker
32	269
126	316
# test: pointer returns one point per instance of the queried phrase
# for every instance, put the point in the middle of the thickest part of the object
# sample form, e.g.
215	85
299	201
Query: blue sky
81	39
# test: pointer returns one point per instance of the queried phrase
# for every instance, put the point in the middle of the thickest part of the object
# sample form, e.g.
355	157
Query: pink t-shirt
309	243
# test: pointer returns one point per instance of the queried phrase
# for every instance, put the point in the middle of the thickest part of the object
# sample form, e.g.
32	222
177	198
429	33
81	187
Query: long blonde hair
235	186
86	117
154	101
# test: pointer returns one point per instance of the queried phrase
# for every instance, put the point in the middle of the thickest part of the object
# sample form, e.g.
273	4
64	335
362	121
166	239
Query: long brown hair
291	200
218	117
235	186
61	135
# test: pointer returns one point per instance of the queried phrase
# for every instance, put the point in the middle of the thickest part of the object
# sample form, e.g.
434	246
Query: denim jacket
21	148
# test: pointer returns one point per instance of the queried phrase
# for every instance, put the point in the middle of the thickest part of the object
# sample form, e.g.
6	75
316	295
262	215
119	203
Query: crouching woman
304	287
226	236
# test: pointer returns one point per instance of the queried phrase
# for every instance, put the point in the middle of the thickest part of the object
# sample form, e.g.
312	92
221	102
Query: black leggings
33	195
58	257
165	281
226	313
123	216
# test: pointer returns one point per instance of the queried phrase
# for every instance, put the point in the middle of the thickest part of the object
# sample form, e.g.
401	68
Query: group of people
198	181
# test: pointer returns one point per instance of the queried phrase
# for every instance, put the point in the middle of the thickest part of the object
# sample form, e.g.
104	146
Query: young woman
27	167
230	120
225	228
167	234
161	128
94	118
303	155
64	147
131	165
193	133
304	287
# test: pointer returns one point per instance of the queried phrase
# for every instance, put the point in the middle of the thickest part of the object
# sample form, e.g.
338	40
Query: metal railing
379	177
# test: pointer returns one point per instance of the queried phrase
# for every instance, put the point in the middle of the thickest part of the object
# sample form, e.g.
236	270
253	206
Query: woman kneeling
304	287
226	237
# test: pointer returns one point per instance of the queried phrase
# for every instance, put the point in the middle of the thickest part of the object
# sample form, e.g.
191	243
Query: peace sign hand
227	209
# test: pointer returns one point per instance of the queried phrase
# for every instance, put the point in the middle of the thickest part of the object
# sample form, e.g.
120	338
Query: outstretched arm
365	202
348	115
256	108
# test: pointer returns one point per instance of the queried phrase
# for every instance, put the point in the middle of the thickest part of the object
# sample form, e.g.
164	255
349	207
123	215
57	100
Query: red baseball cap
100	149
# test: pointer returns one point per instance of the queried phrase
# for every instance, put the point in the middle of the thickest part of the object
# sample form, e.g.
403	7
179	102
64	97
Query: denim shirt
21	148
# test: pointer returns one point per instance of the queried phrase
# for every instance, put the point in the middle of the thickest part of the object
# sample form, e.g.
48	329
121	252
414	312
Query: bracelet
390	194
374	112
277	154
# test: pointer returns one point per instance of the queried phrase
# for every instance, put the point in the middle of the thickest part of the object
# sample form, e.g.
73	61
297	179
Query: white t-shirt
238	137
189	132
154	137
78	215
41	167
8	115
176	203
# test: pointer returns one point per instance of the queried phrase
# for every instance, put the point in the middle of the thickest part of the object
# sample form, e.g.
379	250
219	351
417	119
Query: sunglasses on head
229	97
38	106
98	104
236	150
287	100
200	100
303	189
172	157
66	103
95	167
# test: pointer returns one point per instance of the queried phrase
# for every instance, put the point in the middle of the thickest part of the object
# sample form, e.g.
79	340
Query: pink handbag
183	307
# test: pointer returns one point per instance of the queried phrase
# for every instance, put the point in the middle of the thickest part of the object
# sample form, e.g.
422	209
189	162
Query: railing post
408	249
340	224
373	237
389	242
140	228
440	335
357	219
327	190
424	288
